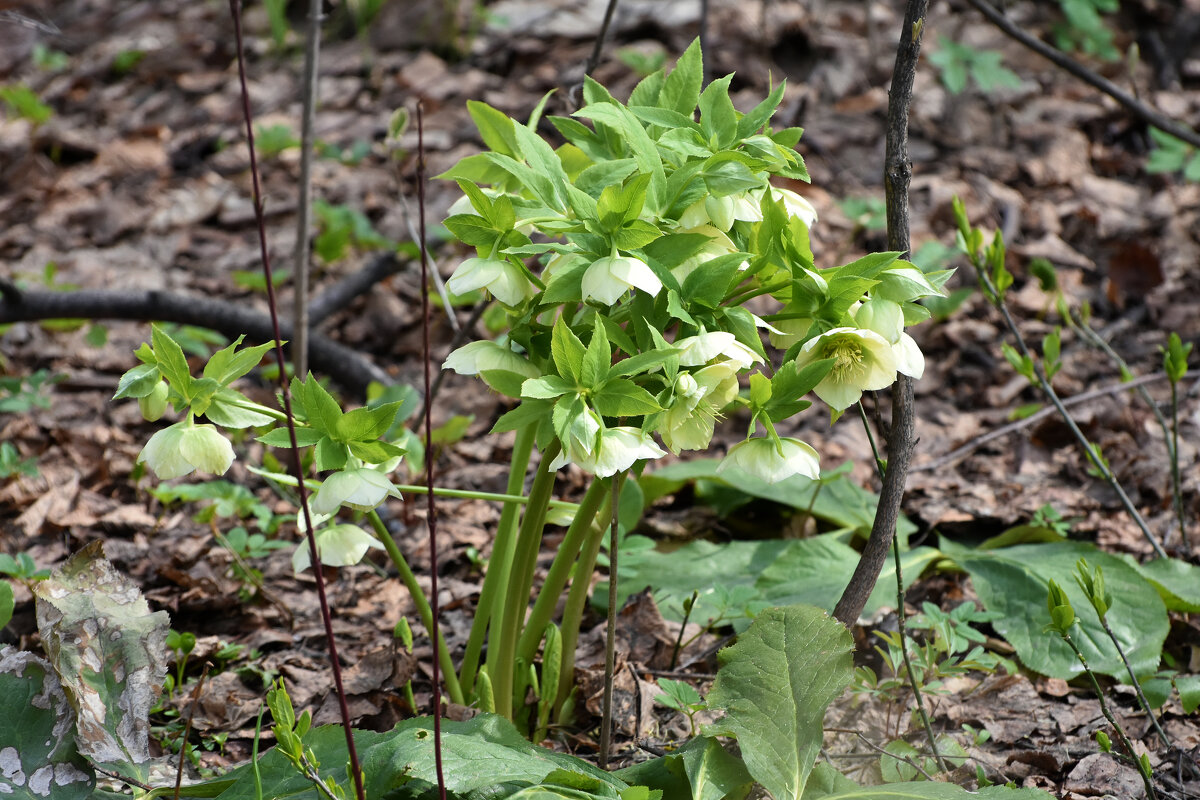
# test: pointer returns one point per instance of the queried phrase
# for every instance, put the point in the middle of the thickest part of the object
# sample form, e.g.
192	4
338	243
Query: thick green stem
577	597
491	598
453	689
503	642
560	571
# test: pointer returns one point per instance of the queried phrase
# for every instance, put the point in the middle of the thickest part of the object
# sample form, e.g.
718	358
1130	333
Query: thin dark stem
687	614
902	614
432	505
1137	685
610	638
1043	383
594	59
297	469
897	174
1175	483
1057	57
459	337
1126	745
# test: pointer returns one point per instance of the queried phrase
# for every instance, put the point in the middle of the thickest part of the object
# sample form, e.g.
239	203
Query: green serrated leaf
620	397
138	382
774	685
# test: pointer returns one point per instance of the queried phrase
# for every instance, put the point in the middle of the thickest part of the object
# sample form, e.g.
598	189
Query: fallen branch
1060	59
349	369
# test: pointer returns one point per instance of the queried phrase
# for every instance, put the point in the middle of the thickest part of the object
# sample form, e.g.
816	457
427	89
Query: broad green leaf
38	756
495	127
7	603
280	437
1013	582
366	424
546	388
718	118
171	359
928	790
110	652
1189	692
774	685
789	385
1178	582
620	397
228	410
567	351
227	365
138	382
323	411
681	89
761	113
713	772
542	158
594	369
472	229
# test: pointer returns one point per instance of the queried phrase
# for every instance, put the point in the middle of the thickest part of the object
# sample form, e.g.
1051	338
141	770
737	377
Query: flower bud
154	404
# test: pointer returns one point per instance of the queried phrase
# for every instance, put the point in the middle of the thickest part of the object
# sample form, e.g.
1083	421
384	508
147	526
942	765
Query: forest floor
139	180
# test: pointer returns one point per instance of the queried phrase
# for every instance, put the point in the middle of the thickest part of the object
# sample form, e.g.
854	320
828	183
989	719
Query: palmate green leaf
109	650
38	756
227	365
1012	582
774	685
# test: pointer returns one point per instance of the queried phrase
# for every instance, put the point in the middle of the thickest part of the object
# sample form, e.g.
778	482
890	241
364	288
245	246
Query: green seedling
682	697
23	103
1084	30
343	228
1173	155
961	64
274	140
11	463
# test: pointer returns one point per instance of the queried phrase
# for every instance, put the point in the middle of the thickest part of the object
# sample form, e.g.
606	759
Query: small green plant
1084	30
23	102
126	61
1173	155
273	140
867	213
181	644
682	697
19	395
49	59
343	227
19	568
11	463
641	62
960	64
277	19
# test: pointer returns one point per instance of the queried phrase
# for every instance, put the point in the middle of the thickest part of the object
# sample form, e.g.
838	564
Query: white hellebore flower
705	346
910	360
718	245
484	355
795	205
504	279
337	546
361	488
620	448
882	316
608	278
862	361
722	212
763	459
581	441
185	447
699	397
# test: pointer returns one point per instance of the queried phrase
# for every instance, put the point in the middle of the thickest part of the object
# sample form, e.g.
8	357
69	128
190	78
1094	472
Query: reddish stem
435	633
297	469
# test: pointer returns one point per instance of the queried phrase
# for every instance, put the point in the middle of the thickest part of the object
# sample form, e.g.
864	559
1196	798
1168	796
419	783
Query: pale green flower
882	316
620	448
337	546
862	361
718	245
910	360
185	447
581	441
771	462
506	281
688	422
154	405
790	331
722	212
608	278
708	345
484	355
795	205
360	488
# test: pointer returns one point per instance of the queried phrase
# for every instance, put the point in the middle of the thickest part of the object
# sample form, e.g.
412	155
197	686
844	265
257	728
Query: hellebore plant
625	259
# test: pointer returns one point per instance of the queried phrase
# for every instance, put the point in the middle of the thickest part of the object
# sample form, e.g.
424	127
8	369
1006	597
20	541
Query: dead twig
902	439
1070	65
